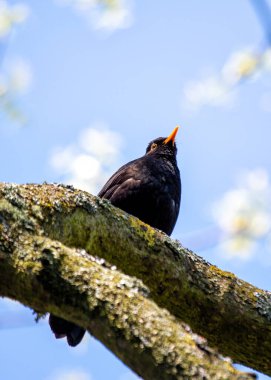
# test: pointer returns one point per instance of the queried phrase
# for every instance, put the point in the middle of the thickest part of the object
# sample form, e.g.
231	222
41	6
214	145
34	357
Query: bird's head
164	145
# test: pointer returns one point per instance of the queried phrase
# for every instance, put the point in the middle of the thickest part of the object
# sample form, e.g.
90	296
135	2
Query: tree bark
232	314
48	276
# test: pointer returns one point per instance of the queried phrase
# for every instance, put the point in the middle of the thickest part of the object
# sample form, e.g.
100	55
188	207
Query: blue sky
133	81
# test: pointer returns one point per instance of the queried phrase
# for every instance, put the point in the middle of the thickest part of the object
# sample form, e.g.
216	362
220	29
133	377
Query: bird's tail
62	329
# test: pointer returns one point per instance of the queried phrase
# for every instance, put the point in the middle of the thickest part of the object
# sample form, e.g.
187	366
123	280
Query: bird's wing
126	174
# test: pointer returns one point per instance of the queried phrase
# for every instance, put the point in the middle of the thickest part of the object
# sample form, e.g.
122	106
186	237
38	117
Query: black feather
148	188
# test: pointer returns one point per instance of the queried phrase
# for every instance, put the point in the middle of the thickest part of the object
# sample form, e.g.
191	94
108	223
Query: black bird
148	188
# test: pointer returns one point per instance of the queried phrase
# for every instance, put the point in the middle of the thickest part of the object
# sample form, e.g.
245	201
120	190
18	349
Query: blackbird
148	188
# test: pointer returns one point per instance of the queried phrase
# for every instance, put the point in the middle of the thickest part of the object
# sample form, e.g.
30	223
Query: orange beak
172	136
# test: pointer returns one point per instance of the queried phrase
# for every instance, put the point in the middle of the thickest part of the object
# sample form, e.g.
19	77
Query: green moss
219	272
203	295
7	208
143	230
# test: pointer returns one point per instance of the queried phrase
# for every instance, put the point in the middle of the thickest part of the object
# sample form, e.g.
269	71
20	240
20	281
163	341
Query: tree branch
232	314
48	276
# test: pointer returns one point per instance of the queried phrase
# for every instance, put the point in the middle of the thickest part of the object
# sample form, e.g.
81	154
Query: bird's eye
153	146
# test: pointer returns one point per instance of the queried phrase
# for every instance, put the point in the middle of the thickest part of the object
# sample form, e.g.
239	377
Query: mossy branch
232	314
114	307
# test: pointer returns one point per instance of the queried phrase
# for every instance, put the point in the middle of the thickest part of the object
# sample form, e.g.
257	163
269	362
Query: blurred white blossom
11	15
14	81
266	59
19	77
240	65
217	90
89	163
104	145
244	215
107	15
209	91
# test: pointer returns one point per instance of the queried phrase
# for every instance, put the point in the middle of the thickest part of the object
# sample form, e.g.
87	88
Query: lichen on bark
114	307
232	314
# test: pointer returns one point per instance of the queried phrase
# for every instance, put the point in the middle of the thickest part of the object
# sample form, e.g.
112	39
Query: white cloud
89	163
106	15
